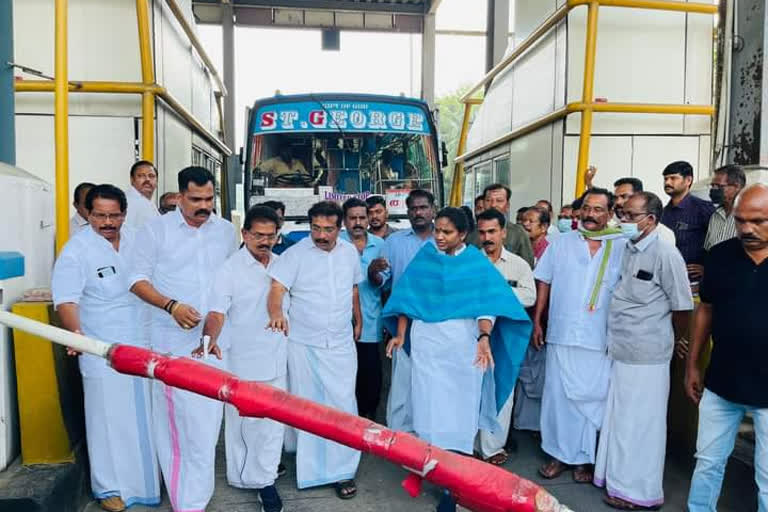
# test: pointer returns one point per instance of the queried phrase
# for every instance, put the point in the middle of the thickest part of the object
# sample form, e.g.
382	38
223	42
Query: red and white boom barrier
476	485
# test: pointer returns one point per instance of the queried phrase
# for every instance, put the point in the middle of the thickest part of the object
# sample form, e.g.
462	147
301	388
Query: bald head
751	216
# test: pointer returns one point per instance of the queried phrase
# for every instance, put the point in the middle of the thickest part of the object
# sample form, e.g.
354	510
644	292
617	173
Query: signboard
335	116
395	198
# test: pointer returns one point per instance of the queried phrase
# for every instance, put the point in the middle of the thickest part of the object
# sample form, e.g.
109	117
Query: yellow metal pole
148	78
92	86
61	125
457	188
587	96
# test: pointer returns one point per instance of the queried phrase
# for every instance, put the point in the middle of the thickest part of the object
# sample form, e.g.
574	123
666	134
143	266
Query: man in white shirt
321	274
575	279
80	219
239	296
90	292
173	268
623	189
143	184
491	231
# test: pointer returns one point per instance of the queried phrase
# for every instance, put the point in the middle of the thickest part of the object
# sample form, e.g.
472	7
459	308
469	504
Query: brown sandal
498	459
552	469
621	504
583	474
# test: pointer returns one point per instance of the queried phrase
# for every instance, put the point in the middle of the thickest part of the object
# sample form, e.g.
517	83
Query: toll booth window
469	189
483	176
501	171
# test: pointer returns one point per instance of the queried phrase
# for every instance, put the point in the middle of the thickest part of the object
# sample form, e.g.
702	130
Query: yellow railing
148	89
587	106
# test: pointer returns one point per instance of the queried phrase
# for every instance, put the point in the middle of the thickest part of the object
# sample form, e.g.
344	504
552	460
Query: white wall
103	45
642	57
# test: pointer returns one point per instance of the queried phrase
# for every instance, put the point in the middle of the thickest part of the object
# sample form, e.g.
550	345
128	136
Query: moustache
358	227
752	238
488	242
202	211
262	247
590	219
107	228
321	241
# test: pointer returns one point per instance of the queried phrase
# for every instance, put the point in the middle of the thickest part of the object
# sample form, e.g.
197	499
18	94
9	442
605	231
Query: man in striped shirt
727	183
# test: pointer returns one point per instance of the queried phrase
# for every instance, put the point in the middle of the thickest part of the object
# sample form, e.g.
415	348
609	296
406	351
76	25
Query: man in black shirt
733	307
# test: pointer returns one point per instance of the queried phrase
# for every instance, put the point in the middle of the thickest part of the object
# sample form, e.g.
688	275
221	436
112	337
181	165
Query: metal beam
192	36
497	36
428	60
7	101
337	5
228	53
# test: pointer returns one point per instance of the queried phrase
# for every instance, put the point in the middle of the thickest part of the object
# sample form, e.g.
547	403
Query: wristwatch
483	335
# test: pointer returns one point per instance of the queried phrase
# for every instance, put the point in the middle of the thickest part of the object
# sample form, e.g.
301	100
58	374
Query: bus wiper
330	117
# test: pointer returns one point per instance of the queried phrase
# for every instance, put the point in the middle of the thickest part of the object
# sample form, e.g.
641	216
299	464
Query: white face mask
630	230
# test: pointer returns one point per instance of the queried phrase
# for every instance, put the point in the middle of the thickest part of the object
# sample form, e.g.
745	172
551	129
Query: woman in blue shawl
465	324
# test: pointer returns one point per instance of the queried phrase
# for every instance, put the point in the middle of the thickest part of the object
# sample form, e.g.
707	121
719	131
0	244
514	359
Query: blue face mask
629	230
564	225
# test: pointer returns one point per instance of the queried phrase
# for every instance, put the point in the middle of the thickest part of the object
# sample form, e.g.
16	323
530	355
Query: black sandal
346	489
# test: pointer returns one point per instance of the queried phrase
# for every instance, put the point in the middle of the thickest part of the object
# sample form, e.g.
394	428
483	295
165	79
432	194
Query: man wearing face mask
575	280
564	219
727	183
174	265
649	310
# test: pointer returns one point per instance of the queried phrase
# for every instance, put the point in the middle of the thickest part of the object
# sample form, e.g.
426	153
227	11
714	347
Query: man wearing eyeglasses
90	292
649	310
143	184
727	183
239	296
575	279
321	274
173	269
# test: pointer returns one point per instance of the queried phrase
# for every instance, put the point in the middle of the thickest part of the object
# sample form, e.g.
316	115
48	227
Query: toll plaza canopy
378	15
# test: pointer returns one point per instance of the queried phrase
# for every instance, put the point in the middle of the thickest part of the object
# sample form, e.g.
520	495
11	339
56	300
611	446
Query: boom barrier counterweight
476	485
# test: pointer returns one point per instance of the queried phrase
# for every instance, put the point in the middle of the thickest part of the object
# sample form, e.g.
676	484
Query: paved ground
380	491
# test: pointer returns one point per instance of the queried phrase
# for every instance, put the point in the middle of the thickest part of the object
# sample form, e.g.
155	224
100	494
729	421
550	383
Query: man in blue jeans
732	310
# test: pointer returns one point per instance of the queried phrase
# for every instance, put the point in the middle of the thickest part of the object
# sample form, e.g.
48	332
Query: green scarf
609	235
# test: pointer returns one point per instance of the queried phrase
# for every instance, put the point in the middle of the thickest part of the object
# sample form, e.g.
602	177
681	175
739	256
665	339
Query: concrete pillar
428	60
228	39
234	172
497	33
7	106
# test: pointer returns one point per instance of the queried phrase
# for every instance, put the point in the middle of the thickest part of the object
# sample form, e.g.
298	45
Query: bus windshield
319	148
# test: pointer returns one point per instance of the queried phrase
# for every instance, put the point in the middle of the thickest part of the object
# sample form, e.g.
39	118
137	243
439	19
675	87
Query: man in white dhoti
399	249
576	276
141	209
90	292
174	265
653	295
516	272
320	274
239	297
